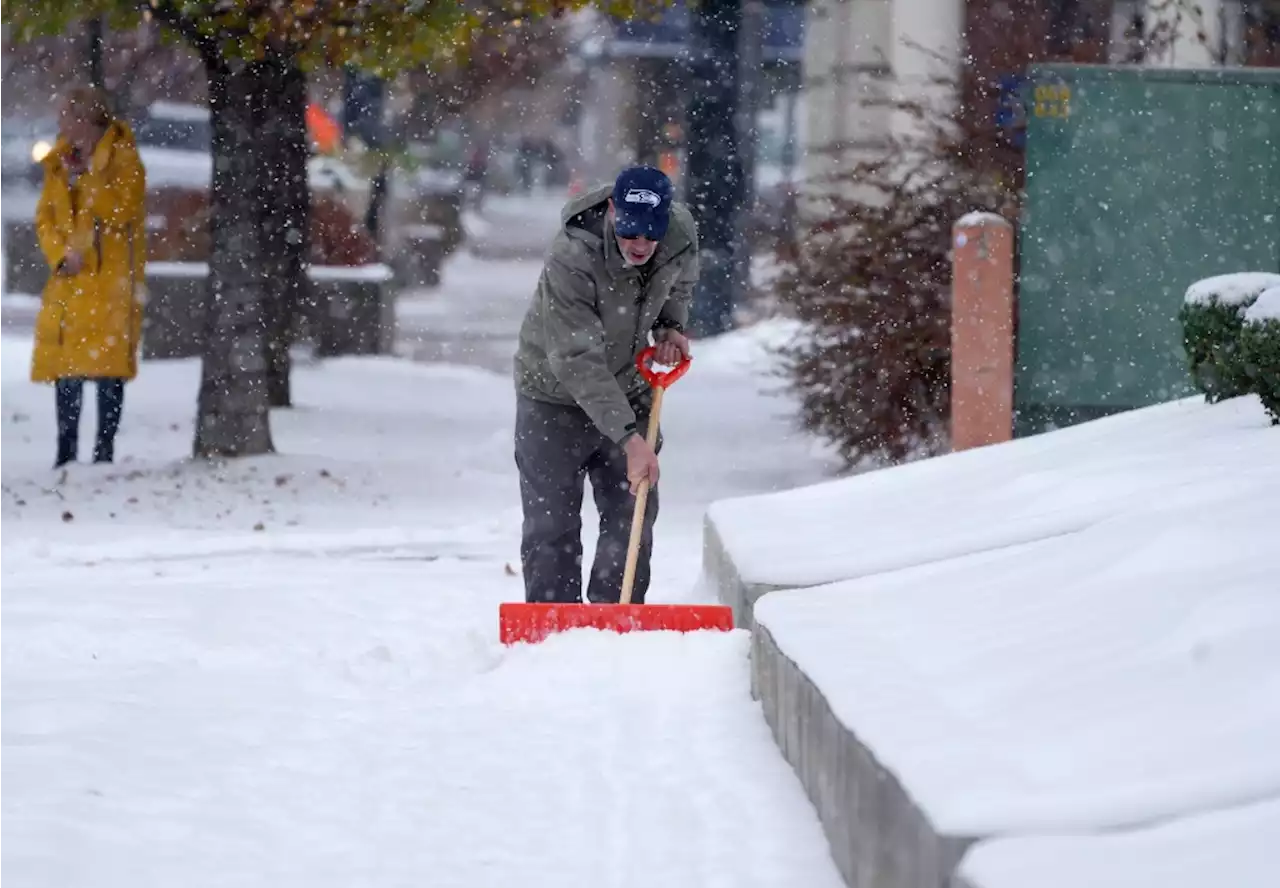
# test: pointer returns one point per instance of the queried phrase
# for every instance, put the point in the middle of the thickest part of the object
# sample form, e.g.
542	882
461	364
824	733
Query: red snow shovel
533	622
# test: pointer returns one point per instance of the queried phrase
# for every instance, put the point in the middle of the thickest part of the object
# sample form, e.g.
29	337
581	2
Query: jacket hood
584	202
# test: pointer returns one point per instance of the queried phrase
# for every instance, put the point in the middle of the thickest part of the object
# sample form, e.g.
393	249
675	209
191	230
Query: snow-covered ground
514	225
1070	635
471	317
286	670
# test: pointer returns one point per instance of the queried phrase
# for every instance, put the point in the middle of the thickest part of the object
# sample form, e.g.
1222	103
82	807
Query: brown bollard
982	345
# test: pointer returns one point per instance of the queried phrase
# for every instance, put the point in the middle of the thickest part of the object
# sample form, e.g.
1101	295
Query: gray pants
557	448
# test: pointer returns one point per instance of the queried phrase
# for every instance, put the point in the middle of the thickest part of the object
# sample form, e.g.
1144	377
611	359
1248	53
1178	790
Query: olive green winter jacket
592	314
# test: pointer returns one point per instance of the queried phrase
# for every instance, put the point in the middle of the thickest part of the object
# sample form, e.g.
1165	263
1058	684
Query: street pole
714	168
96	77
750	62
750	88
789	148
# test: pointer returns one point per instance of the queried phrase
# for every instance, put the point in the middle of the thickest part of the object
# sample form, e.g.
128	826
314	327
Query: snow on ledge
379	273
1055	635
178	269
971	501
981	217
1266	307
1238	288
1120	669
1235	847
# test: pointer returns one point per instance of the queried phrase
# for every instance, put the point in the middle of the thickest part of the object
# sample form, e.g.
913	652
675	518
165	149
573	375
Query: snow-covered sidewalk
277	720
286	670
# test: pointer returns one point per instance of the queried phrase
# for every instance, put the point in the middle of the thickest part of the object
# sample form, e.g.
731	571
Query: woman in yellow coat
91	225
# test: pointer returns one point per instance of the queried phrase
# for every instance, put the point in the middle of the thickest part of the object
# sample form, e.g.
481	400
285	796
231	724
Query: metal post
4	255
750	62
715	174
94	29
789	146
750	88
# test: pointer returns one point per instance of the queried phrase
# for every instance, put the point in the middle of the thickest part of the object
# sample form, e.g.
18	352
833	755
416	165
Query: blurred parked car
426	193
175	140
26	140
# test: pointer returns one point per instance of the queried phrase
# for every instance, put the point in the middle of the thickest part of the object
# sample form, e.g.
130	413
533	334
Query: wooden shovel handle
642	499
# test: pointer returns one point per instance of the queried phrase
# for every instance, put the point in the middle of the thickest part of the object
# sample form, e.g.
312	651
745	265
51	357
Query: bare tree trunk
287	220
233	417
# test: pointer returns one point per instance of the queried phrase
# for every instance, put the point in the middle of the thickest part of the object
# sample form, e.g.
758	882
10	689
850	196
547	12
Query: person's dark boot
67	396
67	446
110	405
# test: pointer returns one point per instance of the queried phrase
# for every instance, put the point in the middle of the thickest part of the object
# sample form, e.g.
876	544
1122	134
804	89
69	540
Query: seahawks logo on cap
642	196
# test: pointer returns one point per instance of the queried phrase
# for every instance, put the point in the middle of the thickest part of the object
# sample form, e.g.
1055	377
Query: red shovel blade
532	623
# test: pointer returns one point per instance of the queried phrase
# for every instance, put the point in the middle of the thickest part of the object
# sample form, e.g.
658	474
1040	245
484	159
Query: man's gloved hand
670	347
642	462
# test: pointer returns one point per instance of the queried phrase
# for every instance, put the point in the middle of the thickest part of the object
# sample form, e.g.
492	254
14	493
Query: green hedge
1260	350
1213	317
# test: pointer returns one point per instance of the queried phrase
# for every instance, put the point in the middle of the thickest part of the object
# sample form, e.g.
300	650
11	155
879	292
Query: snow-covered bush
1212	315
1260	349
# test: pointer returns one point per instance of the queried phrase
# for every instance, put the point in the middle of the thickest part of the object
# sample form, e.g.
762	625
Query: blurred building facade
635	97
636	76
862	55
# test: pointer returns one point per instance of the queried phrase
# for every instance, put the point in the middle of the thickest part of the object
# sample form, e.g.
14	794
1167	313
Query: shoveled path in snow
323	701
277	721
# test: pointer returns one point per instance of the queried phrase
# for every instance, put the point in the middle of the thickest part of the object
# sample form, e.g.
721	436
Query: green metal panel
1139	182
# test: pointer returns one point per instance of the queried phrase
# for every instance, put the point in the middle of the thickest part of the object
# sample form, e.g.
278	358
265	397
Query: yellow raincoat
90	323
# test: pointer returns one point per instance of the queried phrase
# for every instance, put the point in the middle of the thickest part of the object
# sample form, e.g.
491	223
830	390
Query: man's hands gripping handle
642	462
642	458
671	347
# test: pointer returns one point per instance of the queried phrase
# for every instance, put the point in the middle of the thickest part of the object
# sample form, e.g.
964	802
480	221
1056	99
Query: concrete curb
878	837
728	584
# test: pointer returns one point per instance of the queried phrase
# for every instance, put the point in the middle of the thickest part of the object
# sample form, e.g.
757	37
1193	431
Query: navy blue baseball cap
642	203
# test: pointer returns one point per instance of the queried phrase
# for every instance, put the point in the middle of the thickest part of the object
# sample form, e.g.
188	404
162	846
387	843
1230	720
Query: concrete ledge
351	310
878	837
723	576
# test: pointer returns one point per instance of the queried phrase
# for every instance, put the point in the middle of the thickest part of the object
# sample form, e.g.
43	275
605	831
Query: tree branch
124	82
319	11
166	13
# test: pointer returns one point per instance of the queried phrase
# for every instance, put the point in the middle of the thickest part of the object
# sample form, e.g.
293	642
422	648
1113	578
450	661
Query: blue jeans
69	395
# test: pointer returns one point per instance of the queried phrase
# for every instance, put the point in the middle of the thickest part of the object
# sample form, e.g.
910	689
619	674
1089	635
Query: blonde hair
90	104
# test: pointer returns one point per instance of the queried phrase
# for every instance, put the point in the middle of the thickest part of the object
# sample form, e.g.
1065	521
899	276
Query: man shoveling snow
622	267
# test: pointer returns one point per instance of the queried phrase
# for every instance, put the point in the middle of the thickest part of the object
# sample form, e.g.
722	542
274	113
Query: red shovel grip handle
656	379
